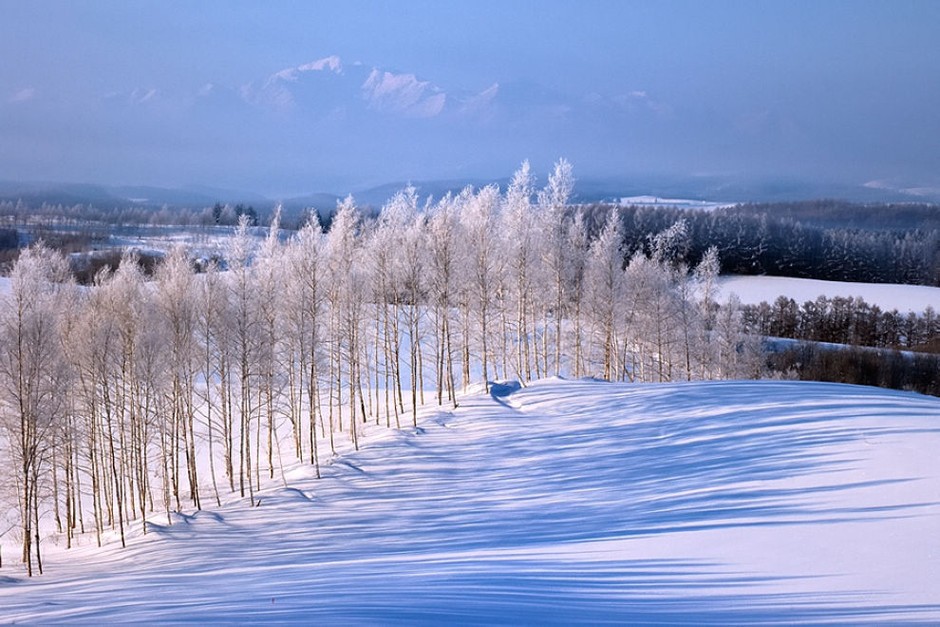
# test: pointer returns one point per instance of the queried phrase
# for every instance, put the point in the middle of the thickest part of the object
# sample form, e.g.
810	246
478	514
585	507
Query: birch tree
442	263
305	313
522	247
175	300
553	203
33	380
345	299
480	221
605	278
244	339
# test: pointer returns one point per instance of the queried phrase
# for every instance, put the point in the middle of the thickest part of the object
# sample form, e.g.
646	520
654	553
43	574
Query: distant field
752	290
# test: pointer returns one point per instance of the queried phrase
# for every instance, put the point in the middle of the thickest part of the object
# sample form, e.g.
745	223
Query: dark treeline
847	340
848	215
758	240
84	268
9	245
915	372
841	320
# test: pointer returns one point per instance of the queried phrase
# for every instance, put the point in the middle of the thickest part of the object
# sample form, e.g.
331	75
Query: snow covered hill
567	501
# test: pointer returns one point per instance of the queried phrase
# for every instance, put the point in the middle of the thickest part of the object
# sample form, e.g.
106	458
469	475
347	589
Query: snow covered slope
567	501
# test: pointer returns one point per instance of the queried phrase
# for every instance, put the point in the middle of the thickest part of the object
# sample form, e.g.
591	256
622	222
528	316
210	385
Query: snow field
561	502
752	290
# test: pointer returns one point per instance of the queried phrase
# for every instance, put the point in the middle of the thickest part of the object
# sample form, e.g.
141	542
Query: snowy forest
134	398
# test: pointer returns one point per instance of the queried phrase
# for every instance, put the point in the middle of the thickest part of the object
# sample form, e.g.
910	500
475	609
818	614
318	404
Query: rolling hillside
567	501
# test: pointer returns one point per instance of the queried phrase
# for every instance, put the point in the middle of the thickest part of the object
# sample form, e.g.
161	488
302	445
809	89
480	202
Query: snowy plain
752	290
561	502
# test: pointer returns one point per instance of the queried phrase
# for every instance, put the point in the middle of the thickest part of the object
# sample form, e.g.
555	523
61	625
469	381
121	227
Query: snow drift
566	501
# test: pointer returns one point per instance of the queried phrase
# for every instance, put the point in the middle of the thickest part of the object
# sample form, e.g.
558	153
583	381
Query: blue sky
230	94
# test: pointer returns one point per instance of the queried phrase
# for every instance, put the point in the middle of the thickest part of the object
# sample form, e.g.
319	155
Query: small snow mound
504	389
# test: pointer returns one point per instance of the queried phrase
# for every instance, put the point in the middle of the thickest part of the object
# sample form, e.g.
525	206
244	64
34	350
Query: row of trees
135	398
846	320
840	214
23	213
847	340
807	361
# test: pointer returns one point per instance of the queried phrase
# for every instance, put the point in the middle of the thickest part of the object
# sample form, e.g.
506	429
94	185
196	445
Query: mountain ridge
588	190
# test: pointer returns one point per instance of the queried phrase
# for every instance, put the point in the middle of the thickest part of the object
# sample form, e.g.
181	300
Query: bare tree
33	380
605	277
442	250
305	313
346	313
244	339
175	299
522	246
553	202
480	221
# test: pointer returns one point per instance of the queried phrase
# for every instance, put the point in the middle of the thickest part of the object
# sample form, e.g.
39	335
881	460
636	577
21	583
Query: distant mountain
122	196
587	190
58	193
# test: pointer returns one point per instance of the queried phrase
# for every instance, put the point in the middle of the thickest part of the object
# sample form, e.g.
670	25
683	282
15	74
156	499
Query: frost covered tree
399	268
33	380
178	319
208	297
605	277
480	219
267	277
738	350
553	205
244	329
387	322
122	304
706	282
345	297
304	313
578	246
522	247
443	233
212	344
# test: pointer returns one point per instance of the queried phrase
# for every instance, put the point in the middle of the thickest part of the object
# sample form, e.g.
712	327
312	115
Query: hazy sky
246	94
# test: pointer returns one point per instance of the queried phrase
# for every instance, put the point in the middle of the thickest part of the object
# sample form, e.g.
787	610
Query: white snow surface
563	502
674	203
752	290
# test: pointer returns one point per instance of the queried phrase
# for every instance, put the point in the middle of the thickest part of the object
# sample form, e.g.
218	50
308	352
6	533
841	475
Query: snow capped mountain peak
403	93
276	93
332	63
